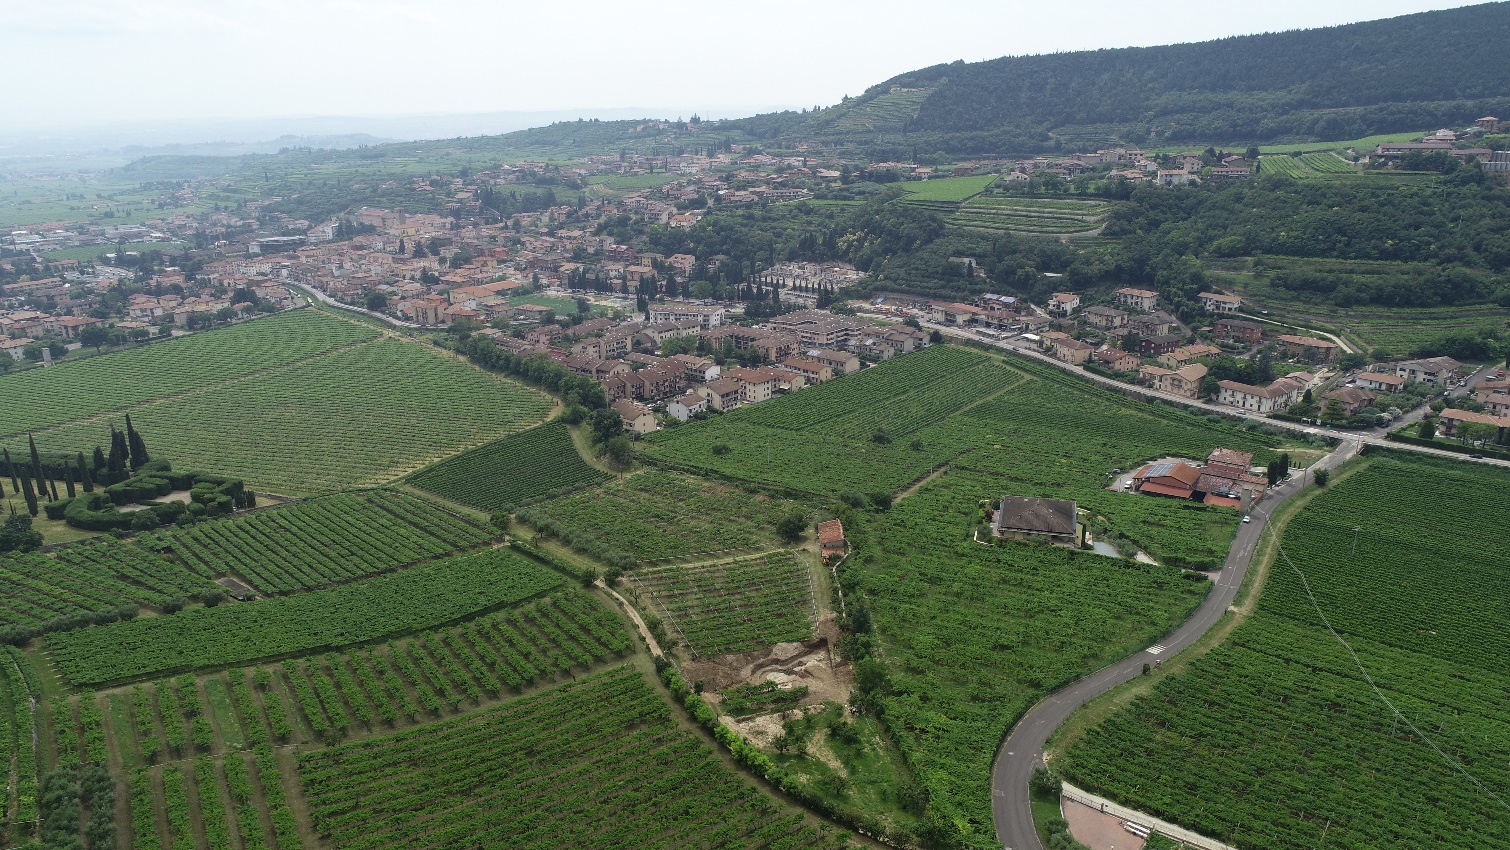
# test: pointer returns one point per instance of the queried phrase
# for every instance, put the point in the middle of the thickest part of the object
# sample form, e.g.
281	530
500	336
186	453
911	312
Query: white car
1247	519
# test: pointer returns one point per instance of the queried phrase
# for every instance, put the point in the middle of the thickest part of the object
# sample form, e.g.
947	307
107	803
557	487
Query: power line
1399	717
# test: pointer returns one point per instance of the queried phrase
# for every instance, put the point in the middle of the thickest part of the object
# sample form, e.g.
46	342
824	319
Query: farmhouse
1025	518
831	540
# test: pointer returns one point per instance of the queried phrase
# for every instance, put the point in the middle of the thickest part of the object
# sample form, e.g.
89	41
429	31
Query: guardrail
1191	839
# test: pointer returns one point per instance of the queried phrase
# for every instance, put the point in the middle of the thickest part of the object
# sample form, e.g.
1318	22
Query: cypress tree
84	474
52	487
136	449
99	459
68	479
15	484
116	465
31	498
36	467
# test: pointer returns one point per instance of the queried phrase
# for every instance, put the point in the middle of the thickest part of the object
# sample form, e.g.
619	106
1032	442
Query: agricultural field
421	597
319	542
354	416
887	112
73	582
1308	166
656	515
520	469
595	763
732	606
945	190
18	761
823	439
1011	214
972	635
1398	737
44	398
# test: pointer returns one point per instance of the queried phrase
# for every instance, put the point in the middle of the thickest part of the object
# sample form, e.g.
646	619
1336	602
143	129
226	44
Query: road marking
1156	649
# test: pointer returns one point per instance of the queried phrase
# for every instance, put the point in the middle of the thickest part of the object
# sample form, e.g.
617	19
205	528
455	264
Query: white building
709	316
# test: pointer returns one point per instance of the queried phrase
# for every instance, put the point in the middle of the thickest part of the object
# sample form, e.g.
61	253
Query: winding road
1023	749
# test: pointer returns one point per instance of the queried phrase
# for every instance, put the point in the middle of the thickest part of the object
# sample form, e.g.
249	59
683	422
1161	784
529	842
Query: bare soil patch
811	663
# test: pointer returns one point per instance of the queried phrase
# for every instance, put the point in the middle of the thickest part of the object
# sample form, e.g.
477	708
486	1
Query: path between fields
655	648
1022	751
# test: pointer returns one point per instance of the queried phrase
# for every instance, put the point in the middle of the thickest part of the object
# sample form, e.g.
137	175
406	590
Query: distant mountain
1407	73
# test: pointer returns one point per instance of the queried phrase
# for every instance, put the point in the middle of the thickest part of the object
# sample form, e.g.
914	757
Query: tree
36	467
16	535
84	475
604	425
31	497
94	336
619	449
15	485
135	447
1322	476
1275	475
1427	429
935	337
377	302
500	521
791	527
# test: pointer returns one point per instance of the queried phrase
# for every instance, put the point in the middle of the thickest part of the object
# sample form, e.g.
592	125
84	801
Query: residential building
1105	317
1185	381
1452	419
1170	478
686	406
1063	303
1187	354
637	418
1072	350
724	394
1351	399
1238	330
708	316
758	384
1154	346
812	370
1380	381
1115	359
951	313
1275	397
1432	370
841	362
699	369
1308	348
1138	299
1216	302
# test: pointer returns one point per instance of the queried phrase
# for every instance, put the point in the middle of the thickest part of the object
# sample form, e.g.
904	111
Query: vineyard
357	415
520	469
1031	215
321	541
944	190
596	763
733	606
888	111
418	598
1307	166
43	398
656	515
1277	736
17	755
62	590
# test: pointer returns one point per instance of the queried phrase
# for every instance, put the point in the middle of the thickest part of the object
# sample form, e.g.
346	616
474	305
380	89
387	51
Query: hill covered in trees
1344	82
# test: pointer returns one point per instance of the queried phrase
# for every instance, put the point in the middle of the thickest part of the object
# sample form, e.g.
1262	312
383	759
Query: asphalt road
1023	749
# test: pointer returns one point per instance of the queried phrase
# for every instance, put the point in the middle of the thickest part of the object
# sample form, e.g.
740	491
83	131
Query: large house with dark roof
1026	518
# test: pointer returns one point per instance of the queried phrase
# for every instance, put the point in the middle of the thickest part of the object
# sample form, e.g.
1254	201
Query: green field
520	469
62	589
732	606
231	634
319	542
631	182
1031	215
1282	733
655	515
951	190
597	763
886	112
88	253
358	415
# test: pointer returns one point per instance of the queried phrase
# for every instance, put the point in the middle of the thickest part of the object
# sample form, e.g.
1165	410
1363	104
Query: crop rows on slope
322	541
519	469
596	763
359	415
1288	726
654	515
44	398
18	756
734	606
418	598
37	589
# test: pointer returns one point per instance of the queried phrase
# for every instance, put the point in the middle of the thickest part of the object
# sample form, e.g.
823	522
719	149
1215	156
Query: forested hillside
1340	82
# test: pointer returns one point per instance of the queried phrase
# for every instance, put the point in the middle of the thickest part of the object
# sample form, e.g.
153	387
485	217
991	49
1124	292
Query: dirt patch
235	588
1098	830
175	496
811	663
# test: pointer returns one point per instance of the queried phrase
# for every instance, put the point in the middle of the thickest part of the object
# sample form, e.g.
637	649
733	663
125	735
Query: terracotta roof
830	531
1160	490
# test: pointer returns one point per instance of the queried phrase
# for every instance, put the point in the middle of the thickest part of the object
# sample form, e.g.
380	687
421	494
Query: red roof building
831	537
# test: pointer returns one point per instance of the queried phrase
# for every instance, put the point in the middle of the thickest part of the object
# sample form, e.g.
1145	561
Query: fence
1085	798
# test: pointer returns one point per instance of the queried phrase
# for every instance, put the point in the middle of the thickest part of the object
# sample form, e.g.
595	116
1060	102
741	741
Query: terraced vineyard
597	763
320	542
63	589
1031	215
1283	726
420	597
733	606
43	398
354	416
657	515
537	464
885	112
1308	166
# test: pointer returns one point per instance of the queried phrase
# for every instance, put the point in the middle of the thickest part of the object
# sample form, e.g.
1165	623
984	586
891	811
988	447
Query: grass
946	189
631	182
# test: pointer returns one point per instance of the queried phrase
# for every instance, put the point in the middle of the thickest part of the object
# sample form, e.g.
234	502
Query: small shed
831	540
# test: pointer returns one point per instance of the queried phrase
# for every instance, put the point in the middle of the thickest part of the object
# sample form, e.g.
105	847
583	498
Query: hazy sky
76	62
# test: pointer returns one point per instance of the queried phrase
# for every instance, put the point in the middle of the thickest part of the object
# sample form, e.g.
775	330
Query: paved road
326	299
1023	749
1374	437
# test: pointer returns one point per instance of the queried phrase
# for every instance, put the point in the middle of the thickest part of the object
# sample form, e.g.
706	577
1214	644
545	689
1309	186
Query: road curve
1022	751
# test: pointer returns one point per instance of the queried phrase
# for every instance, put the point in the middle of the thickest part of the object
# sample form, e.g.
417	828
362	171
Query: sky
105	62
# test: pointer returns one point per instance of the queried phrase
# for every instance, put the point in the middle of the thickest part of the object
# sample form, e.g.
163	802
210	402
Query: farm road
1022	751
